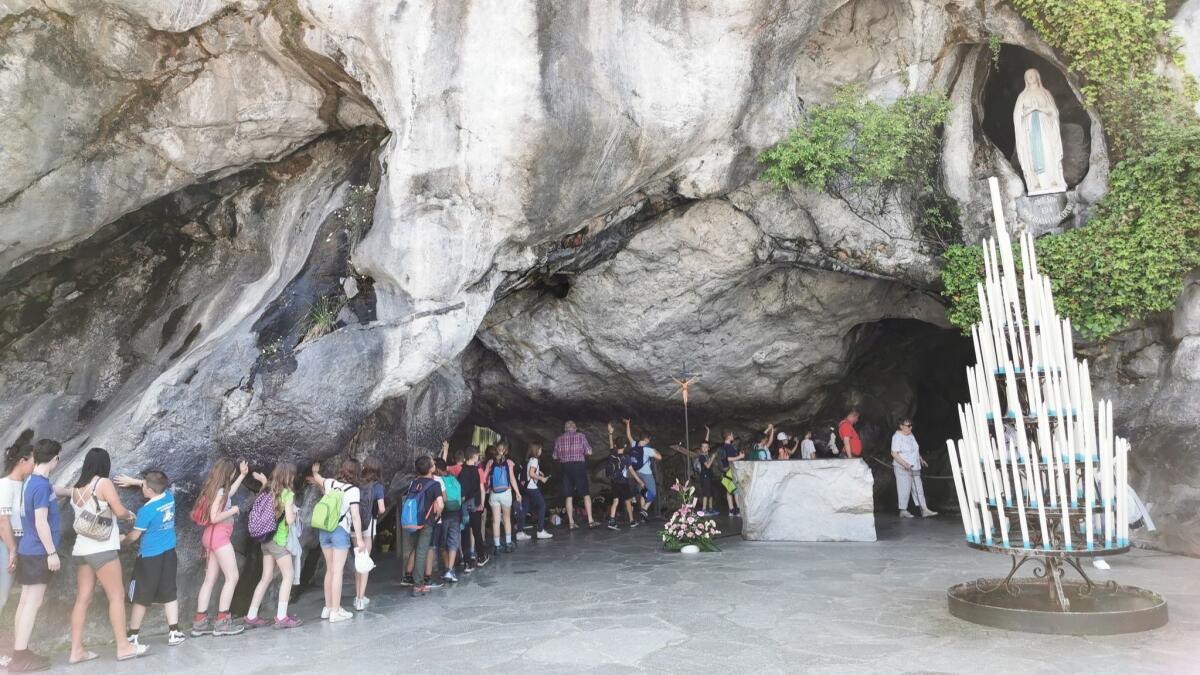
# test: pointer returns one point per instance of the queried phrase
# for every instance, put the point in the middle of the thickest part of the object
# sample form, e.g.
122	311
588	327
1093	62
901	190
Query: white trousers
907	483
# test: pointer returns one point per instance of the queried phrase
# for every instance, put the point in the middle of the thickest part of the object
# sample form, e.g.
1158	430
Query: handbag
93	523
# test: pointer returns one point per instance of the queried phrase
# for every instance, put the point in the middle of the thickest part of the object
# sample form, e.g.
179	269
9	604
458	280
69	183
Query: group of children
30	528
443	518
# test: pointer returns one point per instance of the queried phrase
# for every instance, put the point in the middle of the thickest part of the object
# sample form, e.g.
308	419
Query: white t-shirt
10	503
530	467
808	449
906	447
350	496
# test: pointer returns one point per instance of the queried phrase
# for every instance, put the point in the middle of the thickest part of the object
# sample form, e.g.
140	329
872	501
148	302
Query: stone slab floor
604	602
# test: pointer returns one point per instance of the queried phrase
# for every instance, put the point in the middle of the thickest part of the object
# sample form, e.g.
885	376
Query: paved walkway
612	602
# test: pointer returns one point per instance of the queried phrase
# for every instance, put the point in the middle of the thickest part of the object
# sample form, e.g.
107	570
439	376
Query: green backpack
453	493
328	512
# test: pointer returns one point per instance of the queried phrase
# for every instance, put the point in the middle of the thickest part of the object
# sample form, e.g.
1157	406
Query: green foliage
322	316
855	143
1131	258
863	152
995	41
1144	237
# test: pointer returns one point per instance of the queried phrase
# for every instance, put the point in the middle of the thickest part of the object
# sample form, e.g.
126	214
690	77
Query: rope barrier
892	465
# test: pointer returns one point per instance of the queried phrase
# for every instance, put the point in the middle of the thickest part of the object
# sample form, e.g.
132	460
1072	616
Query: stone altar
806	500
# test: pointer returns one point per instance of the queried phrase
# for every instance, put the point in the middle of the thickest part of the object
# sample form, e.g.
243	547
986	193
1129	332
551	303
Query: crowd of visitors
444	518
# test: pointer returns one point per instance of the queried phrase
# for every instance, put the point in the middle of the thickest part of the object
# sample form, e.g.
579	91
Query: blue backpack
500	476
414	512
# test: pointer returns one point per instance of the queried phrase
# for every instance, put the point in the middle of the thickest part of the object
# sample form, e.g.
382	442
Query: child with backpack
334	517
619	471
215	512
502	486
155	570
451	525
419	514
533	493
472	481
271	517
703	470
370	508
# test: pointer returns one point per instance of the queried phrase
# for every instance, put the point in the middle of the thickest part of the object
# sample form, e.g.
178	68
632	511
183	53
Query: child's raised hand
243	467
260	477
316	468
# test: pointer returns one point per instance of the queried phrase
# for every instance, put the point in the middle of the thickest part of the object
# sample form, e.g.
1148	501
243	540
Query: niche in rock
998	97
903	368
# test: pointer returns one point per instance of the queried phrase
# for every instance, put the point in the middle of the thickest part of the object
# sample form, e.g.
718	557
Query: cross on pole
684	380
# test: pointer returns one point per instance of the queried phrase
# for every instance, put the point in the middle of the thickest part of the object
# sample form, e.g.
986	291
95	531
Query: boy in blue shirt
37	554
154	572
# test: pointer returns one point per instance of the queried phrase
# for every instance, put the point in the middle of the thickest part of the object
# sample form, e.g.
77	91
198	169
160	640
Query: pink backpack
262	522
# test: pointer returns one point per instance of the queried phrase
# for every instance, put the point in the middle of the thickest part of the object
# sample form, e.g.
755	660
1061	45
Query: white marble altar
806	500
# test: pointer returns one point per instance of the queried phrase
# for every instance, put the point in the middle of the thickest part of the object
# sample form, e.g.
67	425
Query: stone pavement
609	602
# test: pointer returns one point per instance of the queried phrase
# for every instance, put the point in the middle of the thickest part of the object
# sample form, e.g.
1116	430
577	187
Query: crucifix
684	380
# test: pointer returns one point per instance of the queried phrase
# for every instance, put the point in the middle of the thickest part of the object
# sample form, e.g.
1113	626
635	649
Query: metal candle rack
1039	473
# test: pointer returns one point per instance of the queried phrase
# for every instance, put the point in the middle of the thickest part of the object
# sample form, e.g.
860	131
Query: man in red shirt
851	444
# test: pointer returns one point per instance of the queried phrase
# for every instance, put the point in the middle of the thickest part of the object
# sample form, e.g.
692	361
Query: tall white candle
965	510
1087	412
1065	522
1010	386
1110	531
1036	478
972	465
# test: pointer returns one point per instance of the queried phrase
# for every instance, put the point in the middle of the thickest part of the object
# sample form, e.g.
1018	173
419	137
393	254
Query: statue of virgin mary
1039	143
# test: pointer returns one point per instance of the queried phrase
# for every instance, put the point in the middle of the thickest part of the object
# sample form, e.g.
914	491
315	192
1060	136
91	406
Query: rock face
810	500
287	230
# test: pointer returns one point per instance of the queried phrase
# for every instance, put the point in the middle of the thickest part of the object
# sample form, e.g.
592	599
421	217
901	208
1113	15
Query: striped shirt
571	447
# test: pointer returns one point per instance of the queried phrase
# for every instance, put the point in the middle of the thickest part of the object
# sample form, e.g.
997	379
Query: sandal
88	656
139	651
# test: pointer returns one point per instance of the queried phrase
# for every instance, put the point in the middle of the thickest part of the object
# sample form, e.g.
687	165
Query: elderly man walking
572	450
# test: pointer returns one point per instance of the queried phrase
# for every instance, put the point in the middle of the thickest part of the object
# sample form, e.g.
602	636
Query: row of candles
1063	453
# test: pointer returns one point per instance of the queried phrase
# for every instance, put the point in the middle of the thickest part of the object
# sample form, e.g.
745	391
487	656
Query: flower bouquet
686	526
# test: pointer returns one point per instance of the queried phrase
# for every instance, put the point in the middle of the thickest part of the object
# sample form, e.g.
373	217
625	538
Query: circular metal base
1024	605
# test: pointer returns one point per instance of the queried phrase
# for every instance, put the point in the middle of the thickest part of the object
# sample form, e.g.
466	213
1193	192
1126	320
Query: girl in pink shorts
216	513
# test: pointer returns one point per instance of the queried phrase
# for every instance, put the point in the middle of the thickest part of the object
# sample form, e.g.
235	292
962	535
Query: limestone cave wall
282	230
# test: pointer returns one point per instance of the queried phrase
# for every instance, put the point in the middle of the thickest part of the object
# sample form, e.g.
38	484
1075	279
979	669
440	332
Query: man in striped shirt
572	450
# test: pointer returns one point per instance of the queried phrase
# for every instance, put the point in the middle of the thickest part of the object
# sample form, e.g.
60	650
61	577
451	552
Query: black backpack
366	506
614	468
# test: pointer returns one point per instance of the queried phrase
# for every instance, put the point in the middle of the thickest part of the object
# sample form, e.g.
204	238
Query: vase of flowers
687	527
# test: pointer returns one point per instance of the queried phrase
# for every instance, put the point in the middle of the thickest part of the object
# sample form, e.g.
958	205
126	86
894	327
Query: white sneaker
361	603
176	637
339	615
325	613
1100	564
521	536
544	535
928	513
132	639
906	514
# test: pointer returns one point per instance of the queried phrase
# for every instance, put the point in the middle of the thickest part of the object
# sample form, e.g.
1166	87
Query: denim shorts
339	539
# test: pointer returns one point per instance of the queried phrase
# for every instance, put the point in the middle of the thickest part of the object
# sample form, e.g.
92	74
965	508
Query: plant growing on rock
322	317
686	526
867	154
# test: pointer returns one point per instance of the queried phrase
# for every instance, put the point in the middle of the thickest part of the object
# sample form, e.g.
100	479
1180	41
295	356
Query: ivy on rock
1144	236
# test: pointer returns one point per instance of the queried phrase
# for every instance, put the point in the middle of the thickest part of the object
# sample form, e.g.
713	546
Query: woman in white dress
907	463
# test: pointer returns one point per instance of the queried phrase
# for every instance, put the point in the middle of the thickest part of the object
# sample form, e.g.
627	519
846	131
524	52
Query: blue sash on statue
1035	142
